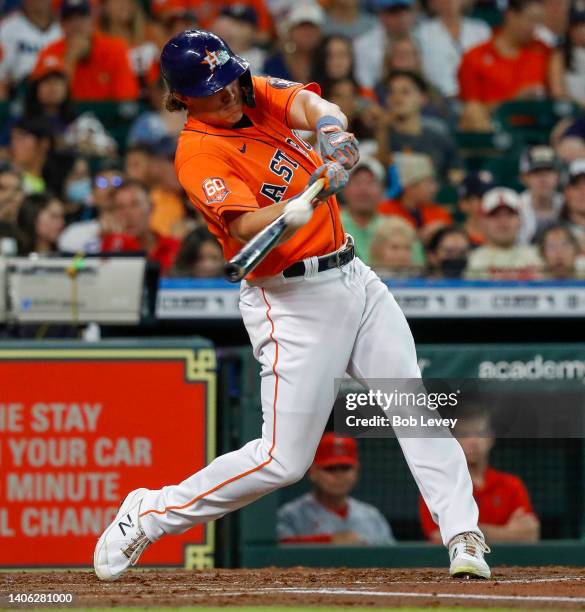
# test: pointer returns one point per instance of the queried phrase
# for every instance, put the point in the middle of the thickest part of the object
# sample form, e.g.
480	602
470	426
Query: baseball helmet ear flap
248	89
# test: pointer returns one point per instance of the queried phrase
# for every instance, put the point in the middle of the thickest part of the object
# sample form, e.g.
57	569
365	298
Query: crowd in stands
470	116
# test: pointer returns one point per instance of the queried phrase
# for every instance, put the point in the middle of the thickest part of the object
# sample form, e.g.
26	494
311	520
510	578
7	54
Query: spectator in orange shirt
505	511
511	65
98	65
126	20
132	208
415	202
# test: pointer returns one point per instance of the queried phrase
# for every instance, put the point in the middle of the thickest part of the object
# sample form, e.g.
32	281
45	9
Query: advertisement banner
81	426
504	362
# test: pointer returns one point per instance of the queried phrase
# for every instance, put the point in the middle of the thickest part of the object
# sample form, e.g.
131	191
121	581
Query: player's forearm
307	108
244	227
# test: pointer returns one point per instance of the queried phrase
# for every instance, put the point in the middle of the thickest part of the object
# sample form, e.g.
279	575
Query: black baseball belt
325	262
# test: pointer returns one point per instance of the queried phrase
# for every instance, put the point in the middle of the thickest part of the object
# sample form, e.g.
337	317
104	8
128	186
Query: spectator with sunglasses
328	514
86	236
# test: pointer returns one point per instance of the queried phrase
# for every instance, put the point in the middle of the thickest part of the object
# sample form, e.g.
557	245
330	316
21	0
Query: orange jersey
428	213
105	75
240	170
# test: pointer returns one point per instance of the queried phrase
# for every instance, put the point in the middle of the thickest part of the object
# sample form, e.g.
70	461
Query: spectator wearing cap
443	39
567	70
362	196
125	19
31	140
396	20
560	251
132	210
512	64
501	257
86	236
447	253
418	189
328	514
237	24
300	39
394	250
541	203
574	211
409	131
11	193
23	34
97	65
471	191
48	95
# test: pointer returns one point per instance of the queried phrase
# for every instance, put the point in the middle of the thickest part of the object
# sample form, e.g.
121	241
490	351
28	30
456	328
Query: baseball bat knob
233	272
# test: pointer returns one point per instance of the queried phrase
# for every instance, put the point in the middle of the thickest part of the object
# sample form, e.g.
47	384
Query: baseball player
313	310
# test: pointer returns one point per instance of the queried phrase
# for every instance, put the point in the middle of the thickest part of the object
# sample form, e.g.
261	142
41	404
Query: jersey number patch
215	190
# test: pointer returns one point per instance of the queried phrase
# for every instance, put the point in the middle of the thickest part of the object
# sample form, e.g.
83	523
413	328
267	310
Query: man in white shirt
541	203
501	258
23	34
444	39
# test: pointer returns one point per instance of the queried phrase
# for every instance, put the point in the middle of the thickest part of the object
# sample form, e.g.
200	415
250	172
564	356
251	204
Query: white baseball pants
306	333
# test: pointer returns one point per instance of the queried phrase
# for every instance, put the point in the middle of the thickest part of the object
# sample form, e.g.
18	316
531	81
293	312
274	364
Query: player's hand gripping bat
264	241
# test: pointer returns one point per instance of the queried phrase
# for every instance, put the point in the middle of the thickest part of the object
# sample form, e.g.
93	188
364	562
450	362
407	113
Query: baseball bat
264	241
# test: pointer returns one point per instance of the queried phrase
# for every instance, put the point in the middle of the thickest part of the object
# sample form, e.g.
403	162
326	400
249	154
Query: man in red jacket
132	209
505	511
98	66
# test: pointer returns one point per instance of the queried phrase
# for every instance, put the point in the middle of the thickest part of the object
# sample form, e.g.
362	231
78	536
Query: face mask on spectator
79	191
453	268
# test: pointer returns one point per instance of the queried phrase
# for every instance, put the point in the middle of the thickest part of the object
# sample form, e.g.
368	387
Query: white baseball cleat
466	553
123	541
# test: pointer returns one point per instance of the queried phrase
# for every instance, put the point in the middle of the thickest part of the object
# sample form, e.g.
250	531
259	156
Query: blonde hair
388	227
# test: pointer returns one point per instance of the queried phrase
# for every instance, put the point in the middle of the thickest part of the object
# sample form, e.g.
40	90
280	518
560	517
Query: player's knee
289	473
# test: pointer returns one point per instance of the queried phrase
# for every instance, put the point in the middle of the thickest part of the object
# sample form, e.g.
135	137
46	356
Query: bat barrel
234	272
